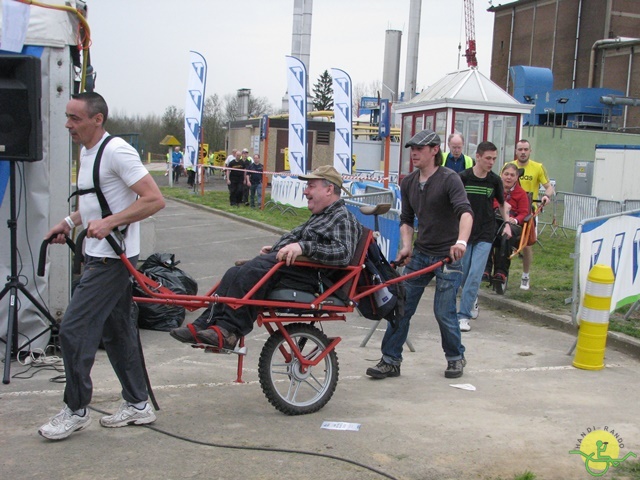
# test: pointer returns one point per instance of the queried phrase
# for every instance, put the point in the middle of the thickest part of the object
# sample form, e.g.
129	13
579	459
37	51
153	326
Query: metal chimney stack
410	78
391	67
301	36
243	95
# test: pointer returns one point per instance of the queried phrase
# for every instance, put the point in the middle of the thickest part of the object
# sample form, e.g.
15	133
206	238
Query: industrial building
585	44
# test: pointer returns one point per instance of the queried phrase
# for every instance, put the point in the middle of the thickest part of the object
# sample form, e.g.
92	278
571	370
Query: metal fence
576	208
567	209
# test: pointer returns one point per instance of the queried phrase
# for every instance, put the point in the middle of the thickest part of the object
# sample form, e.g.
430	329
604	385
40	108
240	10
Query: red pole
264	164
387	150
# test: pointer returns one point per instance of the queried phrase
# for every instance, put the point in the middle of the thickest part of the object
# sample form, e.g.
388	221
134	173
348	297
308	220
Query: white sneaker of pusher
464	325
475	311
129	415
64	424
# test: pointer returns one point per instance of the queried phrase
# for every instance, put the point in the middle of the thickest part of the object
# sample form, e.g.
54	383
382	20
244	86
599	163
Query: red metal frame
321	309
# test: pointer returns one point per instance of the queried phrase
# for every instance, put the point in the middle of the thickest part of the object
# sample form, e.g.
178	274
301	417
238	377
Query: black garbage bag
162	267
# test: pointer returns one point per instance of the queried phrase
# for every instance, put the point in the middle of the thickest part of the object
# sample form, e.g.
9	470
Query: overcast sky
140	49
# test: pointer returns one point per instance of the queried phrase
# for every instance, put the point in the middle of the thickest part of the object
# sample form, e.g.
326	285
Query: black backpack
387	303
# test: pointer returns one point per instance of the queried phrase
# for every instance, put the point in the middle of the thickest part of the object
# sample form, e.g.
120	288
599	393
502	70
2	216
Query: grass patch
527	475
551	274
628	470
220	201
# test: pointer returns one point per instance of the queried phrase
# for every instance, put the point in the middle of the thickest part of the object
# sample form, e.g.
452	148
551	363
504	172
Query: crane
470	31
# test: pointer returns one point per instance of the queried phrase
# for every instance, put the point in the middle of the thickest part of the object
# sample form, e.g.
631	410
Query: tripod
13	286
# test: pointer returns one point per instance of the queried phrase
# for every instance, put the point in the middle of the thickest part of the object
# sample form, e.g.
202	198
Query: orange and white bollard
594	319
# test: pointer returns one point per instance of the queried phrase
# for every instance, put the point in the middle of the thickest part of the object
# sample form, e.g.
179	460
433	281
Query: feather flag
193	108
342	146
297	87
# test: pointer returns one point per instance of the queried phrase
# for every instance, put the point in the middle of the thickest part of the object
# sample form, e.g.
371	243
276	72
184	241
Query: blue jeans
473	264
444	307
256	194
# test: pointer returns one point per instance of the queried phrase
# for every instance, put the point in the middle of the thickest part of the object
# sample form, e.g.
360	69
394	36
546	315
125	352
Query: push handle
43	252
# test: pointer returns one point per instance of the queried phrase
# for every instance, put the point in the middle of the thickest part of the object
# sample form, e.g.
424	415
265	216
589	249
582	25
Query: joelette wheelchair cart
298	364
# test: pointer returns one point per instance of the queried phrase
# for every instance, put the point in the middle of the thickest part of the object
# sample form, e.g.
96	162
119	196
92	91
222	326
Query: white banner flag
614	242
193	108
297	86
342	145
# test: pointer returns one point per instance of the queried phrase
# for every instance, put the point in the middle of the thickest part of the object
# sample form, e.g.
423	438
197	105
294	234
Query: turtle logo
600	450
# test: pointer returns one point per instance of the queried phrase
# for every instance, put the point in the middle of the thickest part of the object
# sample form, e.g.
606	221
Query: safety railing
577	207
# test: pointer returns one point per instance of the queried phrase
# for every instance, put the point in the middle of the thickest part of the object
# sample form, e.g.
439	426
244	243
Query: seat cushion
291	295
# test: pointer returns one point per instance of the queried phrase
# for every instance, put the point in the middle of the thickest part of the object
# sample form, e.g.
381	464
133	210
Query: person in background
177	160
255	179
246	186
236	179
100	308
436	197
227	161
210	163
455	160
534	175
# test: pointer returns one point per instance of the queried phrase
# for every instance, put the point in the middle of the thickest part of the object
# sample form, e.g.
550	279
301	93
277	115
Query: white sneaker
129	415
64	424
524	283
464	325
475	311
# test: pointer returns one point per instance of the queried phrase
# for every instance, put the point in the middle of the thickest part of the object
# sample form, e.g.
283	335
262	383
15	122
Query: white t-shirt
120	168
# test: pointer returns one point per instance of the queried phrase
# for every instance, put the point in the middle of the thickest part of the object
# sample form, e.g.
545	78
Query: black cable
33	264
261	449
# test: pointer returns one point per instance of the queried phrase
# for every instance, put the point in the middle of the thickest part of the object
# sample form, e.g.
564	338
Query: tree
258	106
323	91
173	122
213	123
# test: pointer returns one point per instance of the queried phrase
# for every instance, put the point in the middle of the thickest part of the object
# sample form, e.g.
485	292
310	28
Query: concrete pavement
527	411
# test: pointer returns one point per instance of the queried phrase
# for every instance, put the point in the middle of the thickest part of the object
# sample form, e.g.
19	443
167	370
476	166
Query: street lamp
562	101
549	112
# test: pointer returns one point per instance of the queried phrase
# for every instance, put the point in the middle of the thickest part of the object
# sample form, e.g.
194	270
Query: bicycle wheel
289	388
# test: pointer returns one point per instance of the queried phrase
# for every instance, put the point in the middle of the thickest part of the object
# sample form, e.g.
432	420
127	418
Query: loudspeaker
20	115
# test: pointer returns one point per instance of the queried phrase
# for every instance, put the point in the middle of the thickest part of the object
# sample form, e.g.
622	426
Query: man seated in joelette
330	236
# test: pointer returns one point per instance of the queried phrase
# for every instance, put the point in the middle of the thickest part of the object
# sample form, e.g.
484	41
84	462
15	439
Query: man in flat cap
435	196
330	236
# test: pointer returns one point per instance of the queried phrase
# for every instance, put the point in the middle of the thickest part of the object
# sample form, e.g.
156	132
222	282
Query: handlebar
76	248
42	258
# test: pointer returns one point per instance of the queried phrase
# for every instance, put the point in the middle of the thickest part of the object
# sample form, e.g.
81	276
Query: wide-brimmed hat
325	172
423	138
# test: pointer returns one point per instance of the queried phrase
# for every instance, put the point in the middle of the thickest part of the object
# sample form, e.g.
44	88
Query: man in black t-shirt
236	179
482	186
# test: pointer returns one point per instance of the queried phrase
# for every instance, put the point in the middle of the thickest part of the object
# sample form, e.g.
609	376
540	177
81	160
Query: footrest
211	349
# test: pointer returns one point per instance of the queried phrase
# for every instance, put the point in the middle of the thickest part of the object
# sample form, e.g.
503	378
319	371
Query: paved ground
528	409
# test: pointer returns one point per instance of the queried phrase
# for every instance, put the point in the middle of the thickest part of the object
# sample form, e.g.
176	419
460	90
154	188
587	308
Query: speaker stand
13	286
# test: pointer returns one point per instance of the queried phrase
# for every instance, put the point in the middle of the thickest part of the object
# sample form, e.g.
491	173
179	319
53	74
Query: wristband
70	223
462	242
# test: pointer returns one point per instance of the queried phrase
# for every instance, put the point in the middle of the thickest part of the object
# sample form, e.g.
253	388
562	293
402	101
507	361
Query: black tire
287	388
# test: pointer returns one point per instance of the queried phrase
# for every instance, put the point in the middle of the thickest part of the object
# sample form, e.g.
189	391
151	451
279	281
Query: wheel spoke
294	387
291	387
312	386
